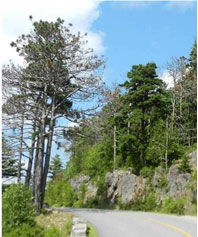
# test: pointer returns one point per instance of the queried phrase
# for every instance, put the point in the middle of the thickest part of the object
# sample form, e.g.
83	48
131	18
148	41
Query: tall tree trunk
31	157
34	150
35	165
180	102
143	137
189	138
20	148
39	166
128	127
39	170
48	150
173	110
114	148
166	146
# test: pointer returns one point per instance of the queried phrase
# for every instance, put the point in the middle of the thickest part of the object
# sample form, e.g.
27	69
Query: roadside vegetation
91	231
143	126
56	223
20	217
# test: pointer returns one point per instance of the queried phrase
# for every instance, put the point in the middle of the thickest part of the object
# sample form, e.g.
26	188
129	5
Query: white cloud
15	20
166	77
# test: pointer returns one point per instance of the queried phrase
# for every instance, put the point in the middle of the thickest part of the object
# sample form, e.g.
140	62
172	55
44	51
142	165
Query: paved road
113	223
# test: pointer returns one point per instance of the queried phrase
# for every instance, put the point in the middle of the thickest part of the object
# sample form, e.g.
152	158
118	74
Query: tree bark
29	168
166	146
173	110
180	102
128	127
20	148
48	151
114	148
39	163
35	165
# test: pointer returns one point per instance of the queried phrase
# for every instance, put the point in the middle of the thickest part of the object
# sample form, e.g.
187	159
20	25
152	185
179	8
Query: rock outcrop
90	187
91	191
193	160
177	181
123	186
76	183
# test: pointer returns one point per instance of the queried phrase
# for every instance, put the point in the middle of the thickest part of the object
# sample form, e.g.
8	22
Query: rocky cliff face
126	187
123	185
178	182
90	187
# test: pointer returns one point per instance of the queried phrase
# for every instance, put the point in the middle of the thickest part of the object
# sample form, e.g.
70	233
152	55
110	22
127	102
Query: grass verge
91	231
56	223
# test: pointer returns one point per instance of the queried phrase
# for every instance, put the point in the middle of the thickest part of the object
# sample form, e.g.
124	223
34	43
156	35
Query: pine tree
146	101
9	162
55	166
59	71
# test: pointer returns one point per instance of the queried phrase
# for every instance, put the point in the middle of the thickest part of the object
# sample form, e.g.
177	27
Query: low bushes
60	193
17	207
146	203
18	215
174	206
25	230
151	202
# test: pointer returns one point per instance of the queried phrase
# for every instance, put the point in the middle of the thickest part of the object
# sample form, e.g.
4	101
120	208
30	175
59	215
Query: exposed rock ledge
126	186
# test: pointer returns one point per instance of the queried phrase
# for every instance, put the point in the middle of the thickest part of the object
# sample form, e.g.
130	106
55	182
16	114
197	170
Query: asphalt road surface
113	223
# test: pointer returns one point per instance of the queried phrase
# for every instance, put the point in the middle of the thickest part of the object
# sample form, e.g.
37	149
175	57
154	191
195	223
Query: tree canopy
59	70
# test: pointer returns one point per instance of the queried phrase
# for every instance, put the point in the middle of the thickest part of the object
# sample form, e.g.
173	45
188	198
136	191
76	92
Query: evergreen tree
59	71
146	101
55	166
9	162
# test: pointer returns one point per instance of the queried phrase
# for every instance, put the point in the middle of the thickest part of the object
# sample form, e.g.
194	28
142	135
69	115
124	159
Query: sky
138	33
126	33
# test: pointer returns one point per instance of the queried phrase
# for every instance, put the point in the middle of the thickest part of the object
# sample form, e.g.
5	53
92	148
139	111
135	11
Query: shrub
68	227
26	230
17	207
52	232
91	231
146	203
149	203
4	187
195	175
60	193
162	183
78	204
68	195
174	206
184	166
82	191
102	187
92	202
147	172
